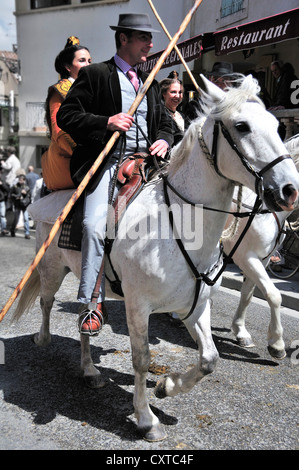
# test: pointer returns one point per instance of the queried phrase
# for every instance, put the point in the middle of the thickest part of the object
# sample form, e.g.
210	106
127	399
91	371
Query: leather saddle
131	175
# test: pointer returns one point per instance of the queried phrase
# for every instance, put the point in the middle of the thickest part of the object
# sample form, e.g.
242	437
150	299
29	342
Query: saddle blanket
131	176
49	207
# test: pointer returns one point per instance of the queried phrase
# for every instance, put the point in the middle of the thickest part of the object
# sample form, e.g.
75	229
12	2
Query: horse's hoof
38	342
277	354
245	342
94	381
154	434
160	389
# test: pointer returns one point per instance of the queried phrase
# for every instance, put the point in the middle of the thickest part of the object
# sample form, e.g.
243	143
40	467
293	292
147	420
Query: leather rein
199	277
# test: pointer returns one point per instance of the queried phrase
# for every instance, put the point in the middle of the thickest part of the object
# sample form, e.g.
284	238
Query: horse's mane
244	89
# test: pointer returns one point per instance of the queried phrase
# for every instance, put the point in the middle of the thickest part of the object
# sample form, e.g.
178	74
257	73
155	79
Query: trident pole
175	47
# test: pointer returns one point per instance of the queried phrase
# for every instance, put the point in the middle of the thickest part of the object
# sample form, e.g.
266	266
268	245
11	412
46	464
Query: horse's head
248	149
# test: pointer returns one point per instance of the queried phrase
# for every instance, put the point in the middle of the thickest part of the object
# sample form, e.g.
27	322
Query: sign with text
190	50
258	33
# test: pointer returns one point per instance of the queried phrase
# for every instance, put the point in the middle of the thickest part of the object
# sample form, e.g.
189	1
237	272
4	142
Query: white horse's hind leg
201	333
43	338
51	277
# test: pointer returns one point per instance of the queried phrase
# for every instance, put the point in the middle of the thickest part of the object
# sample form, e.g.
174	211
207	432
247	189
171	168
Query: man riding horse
95	107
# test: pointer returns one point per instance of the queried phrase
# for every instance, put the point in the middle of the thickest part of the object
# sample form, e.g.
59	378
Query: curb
289	288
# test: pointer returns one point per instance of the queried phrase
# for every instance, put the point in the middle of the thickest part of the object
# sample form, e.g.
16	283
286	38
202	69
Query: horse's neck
195	178
197	181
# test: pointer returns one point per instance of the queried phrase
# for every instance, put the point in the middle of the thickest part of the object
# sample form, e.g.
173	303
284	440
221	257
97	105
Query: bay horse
235	141
264	235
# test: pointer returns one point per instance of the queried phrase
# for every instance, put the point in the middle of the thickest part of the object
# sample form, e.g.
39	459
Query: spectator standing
31	178
284	75
21	198
10	164
4	191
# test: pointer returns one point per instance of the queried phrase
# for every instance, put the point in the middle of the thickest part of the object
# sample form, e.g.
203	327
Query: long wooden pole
96	164
175	47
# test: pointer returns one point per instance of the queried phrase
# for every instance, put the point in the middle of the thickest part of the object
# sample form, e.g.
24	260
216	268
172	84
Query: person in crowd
21	198
4	191
40	189
31	178
263	94
173	74
172	92
96	106
56	160
222	74
284	75
10	165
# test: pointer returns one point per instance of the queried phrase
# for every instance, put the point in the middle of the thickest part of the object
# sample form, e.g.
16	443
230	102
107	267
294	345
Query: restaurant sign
190	50
269	30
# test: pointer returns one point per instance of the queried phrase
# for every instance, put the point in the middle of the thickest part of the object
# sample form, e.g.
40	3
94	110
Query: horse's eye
242	127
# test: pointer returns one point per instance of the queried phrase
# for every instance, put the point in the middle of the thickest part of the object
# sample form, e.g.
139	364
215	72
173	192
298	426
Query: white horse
155	275
252	257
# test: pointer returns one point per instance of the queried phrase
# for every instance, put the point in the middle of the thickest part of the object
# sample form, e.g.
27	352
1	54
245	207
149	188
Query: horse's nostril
289	191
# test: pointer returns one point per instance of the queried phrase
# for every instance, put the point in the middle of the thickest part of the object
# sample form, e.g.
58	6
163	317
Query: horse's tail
28	295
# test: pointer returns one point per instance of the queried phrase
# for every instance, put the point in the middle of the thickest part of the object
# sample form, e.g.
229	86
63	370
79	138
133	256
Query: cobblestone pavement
249	402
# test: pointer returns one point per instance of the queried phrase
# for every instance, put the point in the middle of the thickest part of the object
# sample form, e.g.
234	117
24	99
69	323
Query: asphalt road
250	402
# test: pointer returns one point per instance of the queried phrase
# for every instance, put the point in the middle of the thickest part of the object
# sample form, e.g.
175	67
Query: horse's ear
214	92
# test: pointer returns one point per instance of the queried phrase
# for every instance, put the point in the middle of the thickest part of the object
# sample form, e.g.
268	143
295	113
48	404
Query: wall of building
42	34
8	99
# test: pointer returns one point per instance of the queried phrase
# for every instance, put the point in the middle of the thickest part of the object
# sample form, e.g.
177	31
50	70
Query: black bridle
199	277
257	174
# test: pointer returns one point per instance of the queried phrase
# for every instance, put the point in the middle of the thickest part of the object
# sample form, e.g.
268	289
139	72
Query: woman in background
172	93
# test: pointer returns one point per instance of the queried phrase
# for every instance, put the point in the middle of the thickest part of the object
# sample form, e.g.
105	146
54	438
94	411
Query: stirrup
93	320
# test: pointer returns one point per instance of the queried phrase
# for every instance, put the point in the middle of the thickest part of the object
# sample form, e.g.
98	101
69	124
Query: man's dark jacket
92	99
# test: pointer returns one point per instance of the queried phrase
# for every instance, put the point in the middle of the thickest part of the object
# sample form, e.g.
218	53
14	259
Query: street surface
251	401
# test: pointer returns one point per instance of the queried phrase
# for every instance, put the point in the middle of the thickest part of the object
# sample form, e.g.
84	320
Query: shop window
35	4
229	7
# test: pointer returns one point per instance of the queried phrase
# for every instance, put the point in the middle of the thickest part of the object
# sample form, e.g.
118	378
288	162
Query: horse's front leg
92	376
200	331
238	324
276	345
257	274
148	424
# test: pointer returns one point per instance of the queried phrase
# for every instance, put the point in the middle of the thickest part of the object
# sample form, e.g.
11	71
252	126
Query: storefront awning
266	31
190	49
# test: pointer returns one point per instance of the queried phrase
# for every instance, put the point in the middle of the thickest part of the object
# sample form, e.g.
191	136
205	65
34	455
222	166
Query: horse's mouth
275	203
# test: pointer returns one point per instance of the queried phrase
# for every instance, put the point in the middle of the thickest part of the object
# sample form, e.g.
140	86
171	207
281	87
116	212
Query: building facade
9	80
44	25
